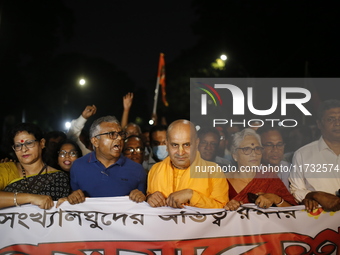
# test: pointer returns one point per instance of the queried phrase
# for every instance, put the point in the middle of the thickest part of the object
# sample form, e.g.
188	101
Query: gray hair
95	129
239	136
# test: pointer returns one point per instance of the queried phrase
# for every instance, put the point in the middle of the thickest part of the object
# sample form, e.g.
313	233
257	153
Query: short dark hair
205	130
54	134
30	128
265	129
156	128
326	105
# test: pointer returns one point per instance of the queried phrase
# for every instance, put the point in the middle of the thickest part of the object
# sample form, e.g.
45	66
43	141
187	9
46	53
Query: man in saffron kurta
171	182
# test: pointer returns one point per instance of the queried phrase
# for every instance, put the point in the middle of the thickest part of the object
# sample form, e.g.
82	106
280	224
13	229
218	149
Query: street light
223	57
220	62
82	82
67	125
69	91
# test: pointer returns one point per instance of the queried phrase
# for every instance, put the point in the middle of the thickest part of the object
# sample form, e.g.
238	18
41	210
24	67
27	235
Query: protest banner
120	226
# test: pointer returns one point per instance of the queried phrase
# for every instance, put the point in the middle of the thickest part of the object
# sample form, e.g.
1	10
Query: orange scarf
209	191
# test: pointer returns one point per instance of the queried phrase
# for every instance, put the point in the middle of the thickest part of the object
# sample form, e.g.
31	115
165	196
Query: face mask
160	151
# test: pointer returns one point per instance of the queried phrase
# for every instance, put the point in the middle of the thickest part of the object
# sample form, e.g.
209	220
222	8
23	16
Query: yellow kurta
208	192
8	173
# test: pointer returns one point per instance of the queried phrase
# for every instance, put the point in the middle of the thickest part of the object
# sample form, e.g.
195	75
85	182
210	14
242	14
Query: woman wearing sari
30	180
249	183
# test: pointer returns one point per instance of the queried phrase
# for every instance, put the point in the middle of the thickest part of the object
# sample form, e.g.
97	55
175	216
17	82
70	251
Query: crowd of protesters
268	166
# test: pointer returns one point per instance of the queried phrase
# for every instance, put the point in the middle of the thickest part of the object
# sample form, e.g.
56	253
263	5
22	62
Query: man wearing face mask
158	146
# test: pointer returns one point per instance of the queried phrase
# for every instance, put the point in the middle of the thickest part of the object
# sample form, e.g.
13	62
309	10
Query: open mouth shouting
67	162
117	147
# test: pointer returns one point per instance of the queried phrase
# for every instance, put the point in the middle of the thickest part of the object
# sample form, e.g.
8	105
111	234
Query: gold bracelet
281	202
15	199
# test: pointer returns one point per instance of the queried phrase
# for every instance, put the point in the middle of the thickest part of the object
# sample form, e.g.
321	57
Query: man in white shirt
315	176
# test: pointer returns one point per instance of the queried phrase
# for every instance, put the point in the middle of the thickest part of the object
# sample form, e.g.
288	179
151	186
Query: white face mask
160	151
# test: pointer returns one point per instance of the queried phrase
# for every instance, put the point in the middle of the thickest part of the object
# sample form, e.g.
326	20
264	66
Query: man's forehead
271	135
181	138
332	111
181	128
210	136
110	126
159	132
133	142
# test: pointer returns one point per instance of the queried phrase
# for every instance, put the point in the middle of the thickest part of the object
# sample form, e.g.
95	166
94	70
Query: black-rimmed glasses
114	135
28	144
248	150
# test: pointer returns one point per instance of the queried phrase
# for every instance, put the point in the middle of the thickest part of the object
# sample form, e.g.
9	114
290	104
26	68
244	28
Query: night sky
131	35
46	46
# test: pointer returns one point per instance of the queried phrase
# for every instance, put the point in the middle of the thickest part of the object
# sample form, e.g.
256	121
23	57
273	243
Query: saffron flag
161	77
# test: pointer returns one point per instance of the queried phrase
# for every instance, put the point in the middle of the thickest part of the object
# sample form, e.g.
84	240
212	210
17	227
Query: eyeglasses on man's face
332	120
278	146
64	154
248	150
129	151
28	144
114	134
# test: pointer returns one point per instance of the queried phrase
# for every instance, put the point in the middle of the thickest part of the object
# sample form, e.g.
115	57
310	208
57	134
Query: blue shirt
95	180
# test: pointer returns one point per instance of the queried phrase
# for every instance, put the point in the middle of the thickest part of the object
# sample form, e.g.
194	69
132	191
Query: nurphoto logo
243	101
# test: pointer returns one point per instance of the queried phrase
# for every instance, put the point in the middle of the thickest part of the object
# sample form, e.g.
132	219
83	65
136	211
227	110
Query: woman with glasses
30	180
249	183
67	152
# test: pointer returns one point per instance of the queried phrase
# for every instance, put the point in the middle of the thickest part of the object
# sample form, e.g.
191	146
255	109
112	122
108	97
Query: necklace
34	178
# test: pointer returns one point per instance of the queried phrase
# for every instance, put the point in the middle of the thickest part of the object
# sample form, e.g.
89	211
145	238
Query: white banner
120	226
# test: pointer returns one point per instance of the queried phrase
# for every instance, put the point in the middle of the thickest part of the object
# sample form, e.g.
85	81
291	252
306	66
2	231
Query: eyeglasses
129	151
248	150
271	146
64	154
114	135
28	144
332	120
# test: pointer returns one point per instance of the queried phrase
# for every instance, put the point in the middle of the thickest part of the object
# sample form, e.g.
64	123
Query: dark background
46	46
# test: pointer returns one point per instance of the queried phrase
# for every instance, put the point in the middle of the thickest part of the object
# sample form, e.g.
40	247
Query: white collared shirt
315	167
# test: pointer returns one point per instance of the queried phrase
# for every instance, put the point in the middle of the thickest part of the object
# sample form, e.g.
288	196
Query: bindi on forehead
21	141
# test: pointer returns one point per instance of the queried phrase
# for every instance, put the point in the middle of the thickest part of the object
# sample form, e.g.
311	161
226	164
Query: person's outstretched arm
127	102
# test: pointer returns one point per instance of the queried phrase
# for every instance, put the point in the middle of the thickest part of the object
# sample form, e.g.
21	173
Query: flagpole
155	100
156	97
